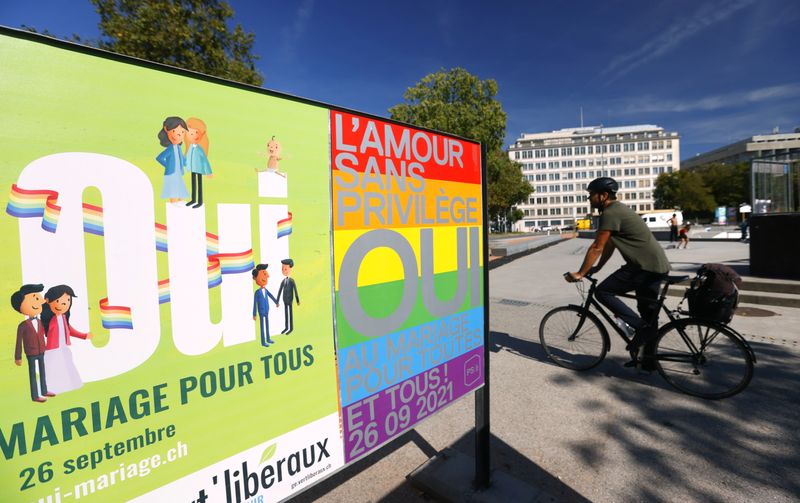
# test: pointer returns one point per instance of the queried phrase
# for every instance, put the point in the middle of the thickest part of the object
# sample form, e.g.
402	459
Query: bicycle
699	357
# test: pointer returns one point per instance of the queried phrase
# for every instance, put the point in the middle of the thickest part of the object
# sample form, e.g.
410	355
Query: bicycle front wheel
703	359
568	345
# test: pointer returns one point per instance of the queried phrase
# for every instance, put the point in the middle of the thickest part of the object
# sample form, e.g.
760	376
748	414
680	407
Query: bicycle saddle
676	279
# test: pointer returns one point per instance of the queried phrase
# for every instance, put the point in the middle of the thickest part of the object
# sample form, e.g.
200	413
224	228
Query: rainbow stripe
285	226
161	237
93	219
163	291
233	263
214	274
115	316
24	203
212	244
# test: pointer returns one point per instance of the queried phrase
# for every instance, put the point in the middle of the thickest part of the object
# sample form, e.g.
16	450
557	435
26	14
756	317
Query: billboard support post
482	431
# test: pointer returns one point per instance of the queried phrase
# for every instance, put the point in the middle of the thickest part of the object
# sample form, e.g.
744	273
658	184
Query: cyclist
645	267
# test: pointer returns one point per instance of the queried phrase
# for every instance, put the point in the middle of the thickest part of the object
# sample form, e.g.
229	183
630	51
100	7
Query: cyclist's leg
622	280
648	286
647	293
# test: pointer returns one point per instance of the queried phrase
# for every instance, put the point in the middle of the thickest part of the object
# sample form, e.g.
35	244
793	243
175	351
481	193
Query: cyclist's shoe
636	355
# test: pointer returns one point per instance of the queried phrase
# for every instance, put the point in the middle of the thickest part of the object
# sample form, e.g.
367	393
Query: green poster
147	351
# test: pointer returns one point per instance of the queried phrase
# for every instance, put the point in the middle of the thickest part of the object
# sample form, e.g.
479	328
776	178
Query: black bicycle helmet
603	184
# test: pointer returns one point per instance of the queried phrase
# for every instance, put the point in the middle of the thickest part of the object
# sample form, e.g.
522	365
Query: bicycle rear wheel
566	345
703	359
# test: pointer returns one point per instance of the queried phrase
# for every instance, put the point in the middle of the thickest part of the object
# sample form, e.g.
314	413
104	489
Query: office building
560	164
775	146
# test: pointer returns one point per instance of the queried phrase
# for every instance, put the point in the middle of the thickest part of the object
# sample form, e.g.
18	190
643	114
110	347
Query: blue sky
714	71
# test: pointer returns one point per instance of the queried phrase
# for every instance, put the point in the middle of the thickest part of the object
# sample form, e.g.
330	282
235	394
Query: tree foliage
700	191
728	184
459	103
685	190
507	186
190	34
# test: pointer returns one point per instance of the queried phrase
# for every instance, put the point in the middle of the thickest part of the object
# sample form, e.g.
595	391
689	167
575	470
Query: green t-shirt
633	239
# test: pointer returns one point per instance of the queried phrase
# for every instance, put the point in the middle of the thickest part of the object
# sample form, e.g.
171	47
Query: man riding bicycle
645	267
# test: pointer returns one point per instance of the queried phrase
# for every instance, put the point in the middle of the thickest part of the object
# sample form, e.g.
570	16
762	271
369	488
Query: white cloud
707	15
291	34
650	104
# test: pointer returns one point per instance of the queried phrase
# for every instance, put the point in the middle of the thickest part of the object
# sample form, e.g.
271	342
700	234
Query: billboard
217	291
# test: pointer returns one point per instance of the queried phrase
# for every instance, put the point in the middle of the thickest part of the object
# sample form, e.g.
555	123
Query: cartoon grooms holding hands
289	293
28	300
261	302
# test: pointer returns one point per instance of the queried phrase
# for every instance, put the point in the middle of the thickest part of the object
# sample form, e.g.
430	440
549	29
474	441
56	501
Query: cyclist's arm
601	248
608	250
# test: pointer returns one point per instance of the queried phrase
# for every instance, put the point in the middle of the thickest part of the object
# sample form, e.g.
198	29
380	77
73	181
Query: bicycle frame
592	302
672	314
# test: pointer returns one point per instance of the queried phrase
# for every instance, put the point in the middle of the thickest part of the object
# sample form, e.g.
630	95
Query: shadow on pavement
503	457
402	493
746	441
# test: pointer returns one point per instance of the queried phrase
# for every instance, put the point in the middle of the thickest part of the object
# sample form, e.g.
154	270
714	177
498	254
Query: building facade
776	146
560	164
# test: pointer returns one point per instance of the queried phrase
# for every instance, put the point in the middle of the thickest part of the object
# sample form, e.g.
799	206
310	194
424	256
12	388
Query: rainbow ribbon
163	291
93	219
212	244
24	203
218	264
285	226
115	316
161	237
233	263
214	274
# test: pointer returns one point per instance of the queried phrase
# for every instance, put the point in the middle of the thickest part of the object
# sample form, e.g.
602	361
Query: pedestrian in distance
673	228
683	235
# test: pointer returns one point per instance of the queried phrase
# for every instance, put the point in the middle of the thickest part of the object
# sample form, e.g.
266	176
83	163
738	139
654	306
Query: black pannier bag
714	293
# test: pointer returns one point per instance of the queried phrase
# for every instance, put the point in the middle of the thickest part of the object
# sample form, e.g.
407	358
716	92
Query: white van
659	219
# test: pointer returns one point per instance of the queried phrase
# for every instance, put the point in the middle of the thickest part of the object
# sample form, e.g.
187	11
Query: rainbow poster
407	220
192	370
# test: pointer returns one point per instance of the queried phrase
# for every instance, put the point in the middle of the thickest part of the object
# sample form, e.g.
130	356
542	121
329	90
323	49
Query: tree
459	103
507	187
729	184
190	34
685	190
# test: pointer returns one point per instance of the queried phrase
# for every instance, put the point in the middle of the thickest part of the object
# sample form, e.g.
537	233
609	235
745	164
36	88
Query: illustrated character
171	136
261	302
289	290
30	336
274	148
197	158
62	373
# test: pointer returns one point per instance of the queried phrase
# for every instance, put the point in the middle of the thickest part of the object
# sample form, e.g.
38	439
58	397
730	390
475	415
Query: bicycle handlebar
587	276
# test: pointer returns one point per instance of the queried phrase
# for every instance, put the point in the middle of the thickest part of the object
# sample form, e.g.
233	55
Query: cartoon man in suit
261	302
289	290
28	300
